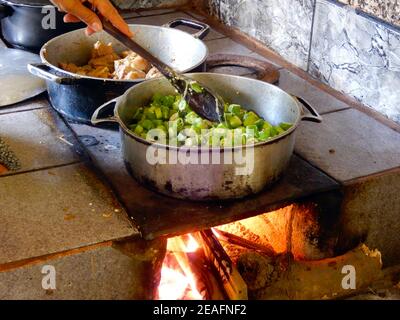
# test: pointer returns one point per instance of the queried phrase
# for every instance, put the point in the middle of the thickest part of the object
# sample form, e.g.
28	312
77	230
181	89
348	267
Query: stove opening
282	254
206	265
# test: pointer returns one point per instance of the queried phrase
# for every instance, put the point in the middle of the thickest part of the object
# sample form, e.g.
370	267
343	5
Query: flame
275	232
177	279
215	232
192	244
173	284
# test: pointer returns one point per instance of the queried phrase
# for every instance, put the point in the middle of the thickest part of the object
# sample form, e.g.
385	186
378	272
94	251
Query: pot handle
44	71
203	28
312	114
95	117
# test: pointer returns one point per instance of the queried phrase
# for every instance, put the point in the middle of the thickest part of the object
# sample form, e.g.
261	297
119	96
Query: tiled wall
358	56
283	25
143	4
387	10
351	51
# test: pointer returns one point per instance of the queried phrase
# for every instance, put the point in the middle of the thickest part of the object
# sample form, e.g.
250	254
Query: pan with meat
83	72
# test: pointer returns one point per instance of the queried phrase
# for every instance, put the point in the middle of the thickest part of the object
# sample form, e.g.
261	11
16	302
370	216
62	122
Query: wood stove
295	218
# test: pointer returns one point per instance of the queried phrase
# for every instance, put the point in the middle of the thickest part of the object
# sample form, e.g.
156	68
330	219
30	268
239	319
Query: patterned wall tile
388	10
283	25
144	4
358	56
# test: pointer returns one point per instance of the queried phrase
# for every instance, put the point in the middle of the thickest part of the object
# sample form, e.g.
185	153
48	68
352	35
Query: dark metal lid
28	3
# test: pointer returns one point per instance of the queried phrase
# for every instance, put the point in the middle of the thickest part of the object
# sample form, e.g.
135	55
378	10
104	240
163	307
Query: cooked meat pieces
100	72
131	67
105	63
70	67
101	49
153	73
87	70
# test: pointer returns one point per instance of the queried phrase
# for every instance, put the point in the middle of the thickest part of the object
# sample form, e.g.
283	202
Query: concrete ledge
98	272
371	213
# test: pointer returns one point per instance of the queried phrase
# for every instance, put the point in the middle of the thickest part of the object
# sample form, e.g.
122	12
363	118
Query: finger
77	9
89	31
71	18
110	13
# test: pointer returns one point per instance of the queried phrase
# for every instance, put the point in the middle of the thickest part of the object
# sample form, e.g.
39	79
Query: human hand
77	12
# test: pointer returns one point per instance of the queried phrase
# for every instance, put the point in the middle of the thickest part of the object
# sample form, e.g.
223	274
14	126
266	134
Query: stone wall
357	55
387	10
282	25
348	47
145	4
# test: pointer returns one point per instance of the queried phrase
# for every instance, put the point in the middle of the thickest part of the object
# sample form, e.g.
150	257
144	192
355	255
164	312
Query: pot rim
206	149
43	53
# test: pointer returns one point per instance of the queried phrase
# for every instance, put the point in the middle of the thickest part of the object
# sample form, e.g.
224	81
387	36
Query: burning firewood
282	278
181	254
186	272
244	243
232	281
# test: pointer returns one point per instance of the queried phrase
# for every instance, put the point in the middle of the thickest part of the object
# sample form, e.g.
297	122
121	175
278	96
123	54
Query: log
176	245
244	243
194	265
200	266
282	278
386	287
231	280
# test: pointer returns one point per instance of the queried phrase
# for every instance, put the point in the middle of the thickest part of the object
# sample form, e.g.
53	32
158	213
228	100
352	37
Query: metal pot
76	97
28	24
265	162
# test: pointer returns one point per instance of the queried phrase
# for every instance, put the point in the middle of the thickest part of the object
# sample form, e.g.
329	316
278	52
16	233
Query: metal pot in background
212	181
77	97
23	26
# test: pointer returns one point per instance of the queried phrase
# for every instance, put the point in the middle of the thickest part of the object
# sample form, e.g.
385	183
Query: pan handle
96	115
44	71
312	114
203	28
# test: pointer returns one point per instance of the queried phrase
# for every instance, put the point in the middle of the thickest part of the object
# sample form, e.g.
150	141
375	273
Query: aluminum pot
77	97
219	178
29	24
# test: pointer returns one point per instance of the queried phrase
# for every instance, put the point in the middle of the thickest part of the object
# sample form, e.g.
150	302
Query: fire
173	284
177	279
204	265
192	244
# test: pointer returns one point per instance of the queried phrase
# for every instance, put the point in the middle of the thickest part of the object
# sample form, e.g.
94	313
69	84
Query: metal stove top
157	215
